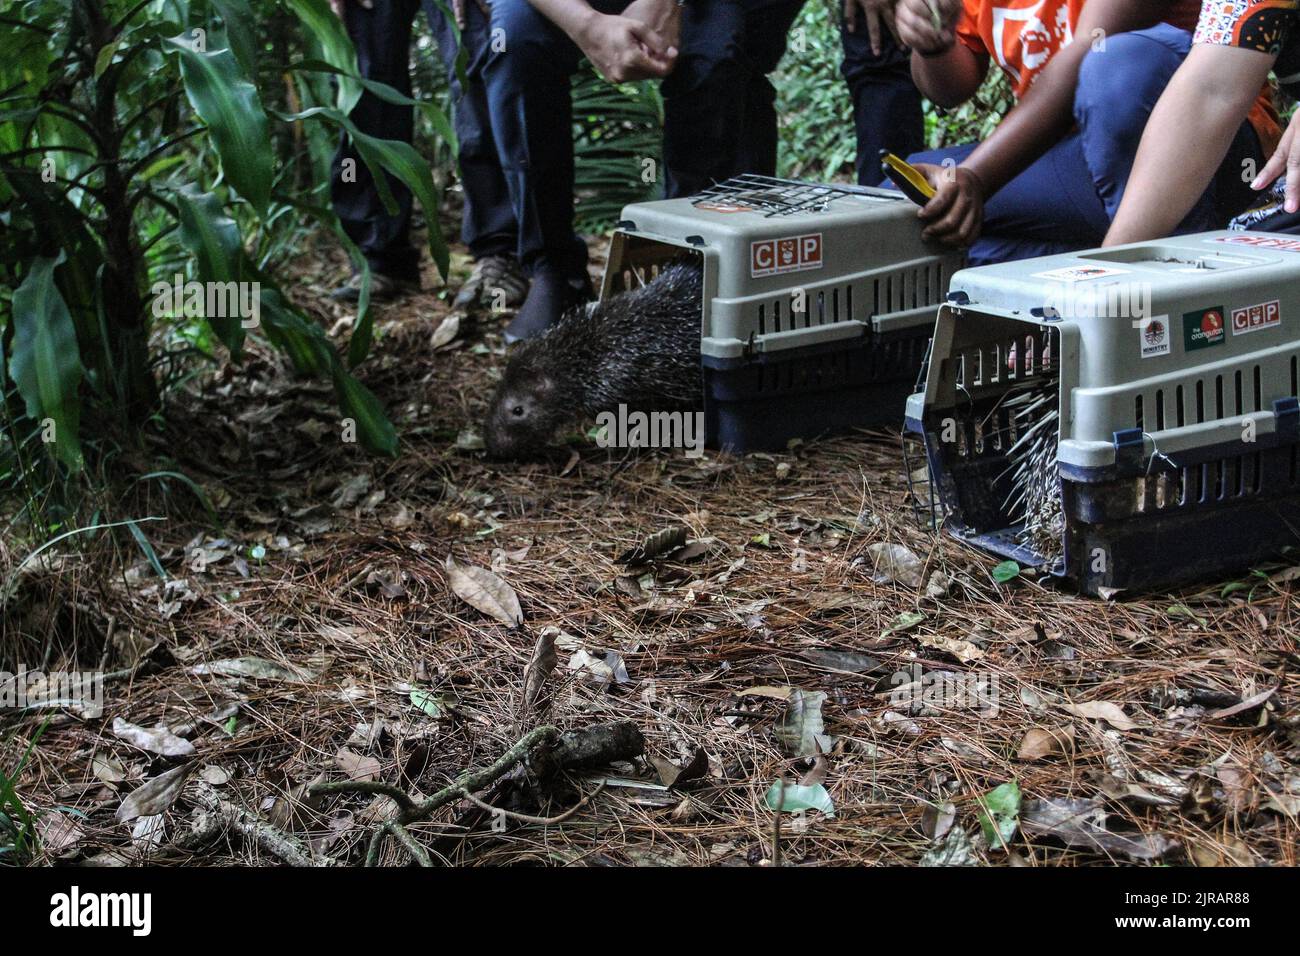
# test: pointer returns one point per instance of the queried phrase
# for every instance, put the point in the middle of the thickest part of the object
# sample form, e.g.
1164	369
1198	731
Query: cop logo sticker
1204	329
1155	336
1266	315
770	257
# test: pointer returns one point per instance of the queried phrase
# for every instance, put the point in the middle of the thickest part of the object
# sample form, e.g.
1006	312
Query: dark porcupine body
640	349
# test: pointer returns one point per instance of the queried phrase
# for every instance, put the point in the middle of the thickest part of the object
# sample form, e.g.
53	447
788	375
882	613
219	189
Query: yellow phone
907	178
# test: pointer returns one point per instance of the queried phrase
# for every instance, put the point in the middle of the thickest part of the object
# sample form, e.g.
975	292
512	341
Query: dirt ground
938	716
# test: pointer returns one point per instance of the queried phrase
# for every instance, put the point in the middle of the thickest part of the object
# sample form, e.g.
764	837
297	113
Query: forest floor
315	635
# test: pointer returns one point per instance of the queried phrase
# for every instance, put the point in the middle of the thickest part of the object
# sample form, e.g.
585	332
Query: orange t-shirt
1023	35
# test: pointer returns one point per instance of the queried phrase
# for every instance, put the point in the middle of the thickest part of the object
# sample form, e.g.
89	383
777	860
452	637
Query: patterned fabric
1268	26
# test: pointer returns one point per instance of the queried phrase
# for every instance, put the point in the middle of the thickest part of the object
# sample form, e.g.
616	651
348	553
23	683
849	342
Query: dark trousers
1067	199
718	105
382	36
886	103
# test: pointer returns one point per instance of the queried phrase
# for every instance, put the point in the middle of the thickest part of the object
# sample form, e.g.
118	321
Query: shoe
383	288
497	282
549	298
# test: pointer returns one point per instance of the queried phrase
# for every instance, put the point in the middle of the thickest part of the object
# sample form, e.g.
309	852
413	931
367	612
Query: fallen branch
555	751
271	839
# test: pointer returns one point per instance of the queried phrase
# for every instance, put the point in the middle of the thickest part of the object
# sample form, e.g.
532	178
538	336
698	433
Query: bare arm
946	72
1187	138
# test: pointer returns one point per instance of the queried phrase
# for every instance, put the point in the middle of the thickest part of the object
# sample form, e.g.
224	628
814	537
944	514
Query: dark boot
550	297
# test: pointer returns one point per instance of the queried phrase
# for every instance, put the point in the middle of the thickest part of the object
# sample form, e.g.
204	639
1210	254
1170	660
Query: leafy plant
617	146
145	140
17	824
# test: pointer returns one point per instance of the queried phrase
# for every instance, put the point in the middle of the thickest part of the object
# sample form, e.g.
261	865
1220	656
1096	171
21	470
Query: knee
1121	78
520	41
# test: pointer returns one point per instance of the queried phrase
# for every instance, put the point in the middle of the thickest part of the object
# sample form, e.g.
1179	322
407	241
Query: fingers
1293	179
1272	169
873	28
458	12
850	16
652	40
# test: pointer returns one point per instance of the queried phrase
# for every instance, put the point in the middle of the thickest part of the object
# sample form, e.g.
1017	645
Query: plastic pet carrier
1125	418
818	302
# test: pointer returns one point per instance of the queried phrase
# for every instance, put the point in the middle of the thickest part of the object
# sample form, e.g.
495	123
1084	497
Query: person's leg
1049	208
382	37
488	222
887	109
767	29
1119	86
704	99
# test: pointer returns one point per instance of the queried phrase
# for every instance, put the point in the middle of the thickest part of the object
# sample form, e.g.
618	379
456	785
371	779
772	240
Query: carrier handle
1282	423
812	335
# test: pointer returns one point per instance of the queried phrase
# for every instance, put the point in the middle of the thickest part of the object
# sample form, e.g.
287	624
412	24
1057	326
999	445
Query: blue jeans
1067	199
382	37
719	117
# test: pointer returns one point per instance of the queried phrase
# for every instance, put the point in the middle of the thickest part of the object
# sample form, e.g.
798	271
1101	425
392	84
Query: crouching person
1197	123
1086	76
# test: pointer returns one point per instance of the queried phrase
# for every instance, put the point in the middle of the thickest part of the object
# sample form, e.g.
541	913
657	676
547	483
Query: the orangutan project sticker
1204	328
1155	336
770	257
1282	243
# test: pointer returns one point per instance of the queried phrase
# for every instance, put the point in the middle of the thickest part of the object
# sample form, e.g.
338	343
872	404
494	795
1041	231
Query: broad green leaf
427	701
229	104
336	47
404	162
213	239
374	429
241	32
793	797
46	363
999	814
904	623
1006	571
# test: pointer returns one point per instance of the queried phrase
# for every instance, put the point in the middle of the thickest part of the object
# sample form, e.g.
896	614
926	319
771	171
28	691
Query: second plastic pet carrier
1127	417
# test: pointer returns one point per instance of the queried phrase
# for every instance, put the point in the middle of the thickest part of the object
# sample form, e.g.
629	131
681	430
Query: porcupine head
639	349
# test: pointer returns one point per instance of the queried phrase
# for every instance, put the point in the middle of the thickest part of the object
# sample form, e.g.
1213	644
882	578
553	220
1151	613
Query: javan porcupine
640	349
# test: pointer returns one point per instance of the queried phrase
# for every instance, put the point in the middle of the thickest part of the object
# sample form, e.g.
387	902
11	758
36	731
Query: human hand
927	26
878	16
624	49
956	213
1285	159
662	16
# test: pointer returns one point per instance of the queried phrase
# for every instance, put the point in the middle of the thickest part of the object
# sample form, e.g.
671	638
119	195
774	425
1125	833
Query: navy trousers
382	36
887	111
719	114
1067	199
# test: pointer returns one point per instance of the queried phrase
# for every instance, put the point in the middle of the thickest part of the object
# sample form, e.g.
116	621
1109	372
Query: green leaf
999	814
336	48
428	701
46	364
241	32
793	797
1006	571
904	623
374	429
400	159
212	237
228	103
146	548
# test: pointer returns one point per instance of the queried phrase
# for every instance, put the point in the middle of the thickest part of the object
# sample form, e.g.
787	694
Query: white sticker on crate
771	257
1261	242
1266	315
1080	273
1155	336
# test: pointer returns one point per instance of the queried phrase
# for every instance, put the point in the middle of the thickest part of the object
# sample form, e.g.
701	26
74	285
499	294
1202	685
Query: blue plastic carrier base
1195	516
762	402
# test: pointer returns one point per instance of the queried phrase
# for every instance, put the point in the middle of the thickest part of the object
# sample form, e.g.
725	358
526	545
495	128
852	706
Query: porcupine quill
1035	497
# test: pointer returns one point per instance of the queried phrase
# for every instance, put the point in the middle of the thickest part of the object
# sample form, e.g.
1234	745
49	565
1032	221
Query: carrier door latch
1129	448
